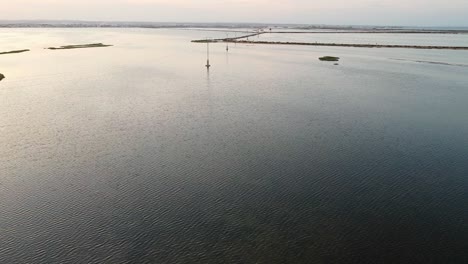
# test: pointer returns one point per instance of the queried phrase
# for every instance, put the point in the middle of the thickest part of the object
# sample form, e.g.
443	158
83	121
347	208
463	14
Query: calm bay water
136	154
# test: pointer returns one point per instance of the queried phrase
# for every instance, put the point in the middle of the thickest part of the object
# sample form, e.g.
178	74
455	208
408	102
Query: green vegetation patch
329	58
82	46
2	76
14	51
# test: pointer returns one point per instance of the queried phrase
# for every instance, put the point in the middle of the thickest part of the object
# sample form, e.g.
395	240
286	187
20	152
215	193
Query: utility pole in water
208	54
227	43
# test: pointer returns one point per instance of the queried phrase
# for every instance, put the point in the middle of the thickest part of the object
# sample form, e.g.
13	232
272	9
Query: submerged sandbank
80	46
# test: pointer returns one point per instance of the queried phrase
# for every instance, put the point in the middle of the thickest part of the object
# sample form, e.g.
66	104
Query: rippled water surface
136	154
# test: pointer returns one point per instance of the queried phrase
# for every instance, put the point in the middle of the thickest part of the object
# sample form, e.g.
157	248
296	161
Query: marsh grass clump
93	45
329	58
14	51
2	76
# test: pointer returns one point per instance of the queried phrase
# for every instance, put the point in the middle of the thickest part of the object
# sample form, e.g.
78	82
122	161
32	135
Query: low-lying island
14	51
81	46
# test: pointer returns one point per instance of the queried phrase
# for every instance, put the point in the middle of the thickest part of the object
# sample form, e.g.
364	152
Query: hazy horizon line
218	22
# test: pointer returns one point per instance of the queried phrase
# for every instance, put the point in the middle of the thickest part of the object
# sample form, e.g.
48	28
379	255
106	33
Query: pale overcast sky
369	12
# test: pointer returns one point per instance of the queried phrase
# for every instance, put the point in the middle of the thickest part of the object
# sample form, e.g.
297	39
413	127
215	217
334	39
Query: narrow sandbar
13	51
350	45
81	46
